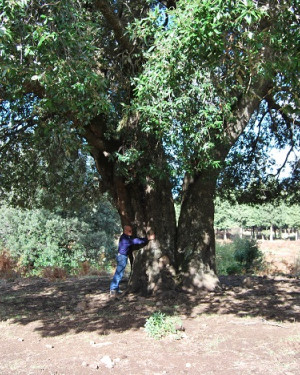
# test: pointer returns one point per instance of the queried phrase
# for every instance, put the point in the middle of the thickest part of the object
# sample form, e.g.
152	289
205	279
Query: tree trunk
177	258
196	238
152	209
146	204
271	233
180	256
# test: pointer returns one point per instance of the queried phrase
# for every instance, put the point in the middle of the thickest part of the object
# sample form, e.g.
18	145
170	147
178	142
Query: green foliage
239	257
247	254
159	325
44	168
225	262
40	238
224	215
232	215
211	54
53	47
177	87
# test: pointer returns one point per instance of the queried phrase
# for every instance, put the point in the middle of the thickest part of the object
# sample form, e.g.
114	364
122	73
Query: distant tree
247	216
272	217
225	216
293	219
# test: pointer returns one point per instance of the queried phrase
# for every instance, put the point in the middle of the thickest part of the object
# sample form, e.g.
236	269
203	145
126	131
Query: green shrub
159	325
248	255
239	257
38	238
225	261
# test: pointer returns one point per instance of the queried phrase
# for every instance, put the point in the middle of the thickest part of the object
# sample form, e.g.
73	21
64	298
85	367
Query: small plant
159	325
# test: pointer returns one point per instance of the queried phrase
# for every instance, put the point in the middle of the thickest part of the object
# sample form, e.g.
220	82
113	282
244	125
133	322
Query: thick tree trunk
180	256
151	208
147	204
196	237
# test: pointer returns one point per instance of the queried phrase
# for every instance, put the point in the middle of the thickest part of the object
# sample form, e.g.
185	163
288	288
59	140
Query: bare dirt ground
251	325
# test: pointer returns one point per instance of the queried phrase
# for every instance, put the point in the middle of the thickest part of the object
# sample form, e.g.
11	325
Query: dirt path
251	326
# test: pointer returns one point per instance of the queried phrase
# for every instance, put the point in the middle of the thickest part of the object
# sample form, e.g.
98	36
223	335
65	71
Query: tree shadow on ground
83	304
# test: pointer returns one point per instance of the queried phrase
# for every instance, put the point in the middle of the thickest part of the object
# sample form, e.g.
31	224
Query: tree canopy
67	62
213	55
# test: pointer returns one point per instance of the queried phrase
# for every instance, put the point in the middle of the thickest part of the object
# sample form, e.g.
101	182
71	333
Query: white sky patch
280	157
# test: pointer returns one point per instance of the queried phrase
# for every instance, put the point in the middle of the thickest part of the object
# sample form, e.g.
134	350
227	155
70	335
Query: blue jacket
126	242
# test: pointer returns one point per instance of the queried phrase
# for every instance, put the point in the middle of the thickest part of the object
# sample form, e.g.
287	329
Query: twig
259	321
273	324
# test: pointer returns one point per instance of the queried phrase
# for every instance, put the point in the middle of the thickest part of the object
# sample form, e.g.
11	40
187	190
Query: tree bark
150	208
154	265
196	238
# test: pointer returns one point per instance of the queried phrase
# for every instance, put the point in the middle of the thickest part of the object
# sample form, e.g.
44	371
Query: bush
225	261
39	239
239	257
248	255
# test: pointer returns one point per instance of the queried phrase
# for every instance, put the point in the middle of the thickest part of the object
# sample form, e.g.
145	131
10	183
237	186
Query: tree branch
170	4
29	87
245	107
285	160
115	23
272	104
9	136
255	142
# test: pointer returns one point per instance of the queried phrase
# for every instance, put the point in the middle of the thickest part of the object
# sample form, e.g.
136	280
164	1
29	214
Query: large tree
158	92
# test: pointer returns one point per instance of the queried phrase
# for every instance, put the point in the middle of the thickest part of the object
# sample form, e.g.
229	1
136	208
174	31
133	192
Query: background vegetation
266	221
39	238
35	240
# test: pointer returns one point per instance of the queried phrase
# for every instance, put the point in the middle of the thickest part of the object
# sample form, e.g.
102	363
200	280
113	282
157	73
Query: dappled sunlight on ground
249	325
